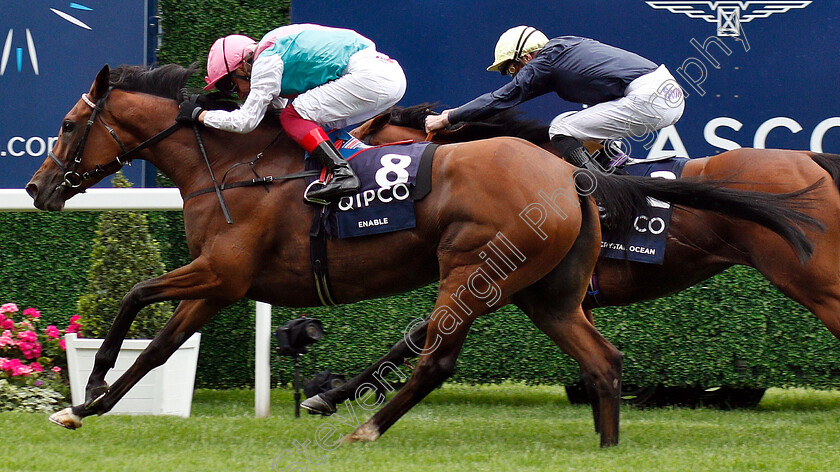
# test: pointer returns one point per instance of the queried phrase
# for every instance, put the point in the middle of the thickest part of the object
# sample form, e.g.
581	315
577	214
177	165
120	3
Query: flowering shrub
30	357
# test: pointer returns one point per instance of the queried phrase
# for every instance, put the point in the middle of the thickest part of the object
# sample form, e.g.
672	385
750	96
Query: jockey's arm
530	82
266	78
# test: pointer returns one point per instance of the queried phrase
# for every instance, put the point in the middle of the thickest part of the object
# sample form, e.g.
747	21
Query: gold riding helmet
514	43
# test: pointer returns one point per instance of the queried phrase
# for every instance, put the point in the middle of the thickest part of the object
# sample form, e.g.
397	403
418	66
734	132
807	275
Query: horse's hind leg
553	304
815	285
445	336
599	360
589	385
188	318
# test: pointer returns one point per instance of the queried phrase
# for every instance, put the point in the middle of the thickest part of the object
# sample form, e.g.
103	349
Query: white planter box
166	390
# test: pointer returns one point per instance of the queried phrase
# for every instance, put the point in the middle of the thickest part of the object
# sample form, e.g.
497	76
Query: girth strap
318	257
267	180
594	290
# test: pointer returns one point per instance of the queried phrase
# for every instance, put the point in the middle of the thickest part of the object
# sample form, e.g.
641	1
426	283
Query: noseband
72	178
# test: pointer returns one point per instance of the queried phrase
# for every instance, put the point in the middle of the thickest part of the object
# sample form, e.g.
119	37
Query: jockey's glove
188	113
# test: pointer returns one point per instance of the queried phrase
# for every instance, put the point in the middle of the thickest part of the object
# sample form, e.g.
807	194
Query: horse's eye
67	126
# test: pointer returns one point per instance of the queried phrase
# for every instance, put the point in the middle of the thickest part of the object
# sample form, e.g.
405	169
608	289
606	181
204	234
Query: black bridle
72	178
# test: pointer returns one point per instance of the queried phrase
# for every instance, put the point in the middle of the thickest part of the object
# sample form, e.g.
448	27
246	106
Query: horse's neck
181	160
178	156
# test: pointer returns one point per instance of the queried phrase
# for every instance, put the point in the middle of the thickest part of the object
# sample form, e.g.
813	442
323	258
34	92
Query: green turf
495	428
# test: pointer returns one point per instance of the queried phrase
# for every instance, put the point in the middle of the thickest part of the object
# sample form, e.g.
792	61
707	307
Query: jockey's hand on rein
188	113
436	121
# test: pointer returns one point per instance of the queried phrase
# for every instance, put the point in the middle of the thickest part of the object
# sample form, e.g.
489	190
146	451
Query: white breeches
650	103
372	83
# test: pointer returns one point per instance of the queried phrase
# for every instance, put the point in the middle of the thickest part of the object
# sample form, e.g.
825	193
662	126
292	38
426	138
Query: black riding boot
574	153
343	182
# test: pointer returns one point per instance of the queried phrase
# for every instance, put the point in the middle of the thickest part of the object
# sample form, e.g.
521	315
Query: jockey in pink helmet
318	76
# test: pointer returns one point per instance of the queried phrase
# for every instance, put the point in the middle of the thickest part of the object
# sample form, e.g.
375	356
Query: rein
73	179
267	180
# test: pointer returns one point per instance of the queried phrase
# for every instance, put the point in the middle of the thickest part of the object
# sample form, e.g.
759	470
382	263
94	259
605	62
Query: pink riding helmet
226	55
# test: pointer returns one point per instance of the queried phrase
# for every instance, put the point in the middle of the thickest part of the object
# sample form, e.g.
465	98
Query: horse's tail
831	164
623	196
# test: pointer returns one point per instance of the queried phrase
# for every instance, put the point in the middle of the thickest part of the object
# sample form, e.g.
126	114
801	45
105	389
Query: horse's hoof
364	433
94	395
318	405
67	419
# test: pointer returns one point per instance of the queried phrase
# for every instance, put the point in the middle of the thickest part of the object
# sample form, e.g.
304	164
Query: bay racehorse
479	192
699	244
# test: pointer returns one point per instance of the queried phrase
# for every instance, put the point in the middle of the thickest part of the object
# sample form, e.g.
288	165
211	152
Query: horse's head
106	130
84	142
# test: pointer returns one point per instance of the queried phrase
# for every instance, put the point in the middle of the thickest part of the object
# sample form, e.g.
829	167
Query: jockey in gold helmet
624	94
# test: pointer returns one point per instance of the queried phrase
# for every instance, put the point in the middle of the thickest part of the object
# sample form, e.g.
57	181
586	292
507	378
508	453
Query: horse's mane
167	81
504	123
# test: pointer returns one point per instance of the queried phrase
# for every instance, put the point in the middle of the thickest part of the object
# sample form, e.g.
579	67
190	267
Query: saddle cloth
645	241
389	176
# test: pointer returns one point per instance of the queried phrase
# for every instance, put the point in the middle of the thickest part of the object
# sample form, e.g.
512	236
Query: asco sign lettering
755	73
51	51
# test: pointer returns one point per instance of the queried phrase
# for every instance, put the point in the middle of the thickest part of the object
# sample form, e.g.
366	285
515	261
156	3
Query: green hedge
734	329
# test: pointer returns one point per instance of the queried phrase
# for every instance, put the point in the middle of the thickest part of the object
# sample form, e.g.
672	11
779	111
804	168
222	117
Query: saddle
393	177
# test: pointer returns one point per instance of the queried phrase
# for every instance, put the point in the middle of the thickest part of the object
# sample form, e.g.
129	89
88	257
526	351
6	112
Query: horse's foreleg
192	281
326	402
188	318
591	390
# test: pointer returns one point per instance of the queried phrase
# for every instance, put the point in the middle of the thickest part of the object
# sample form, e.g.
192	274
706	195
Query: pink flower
6	339
32	313
2	317
7	324
23	370
9	308
36	367
13	366
74	326
53	332
28	336
30	350
62	344
56	369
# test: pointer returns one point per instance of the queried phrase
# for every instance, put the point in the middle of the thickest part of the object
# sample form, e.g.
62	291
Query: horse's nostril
32	189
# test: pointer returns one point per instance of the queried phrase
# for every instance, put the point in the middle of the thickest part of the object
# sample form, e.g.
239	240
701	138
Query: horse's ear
371	126
100	85
379	122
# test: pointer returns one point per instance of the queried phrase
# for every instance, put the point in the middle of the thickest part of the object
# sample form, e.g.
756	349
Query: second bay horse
699	245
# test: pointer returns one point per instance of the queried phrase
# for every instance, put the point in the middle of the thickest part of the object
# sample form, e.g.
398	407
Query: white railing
157	199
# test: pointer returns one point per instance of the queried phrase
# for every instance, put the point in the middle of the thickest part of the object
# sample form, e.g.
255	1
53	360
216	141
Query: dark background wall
445	46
